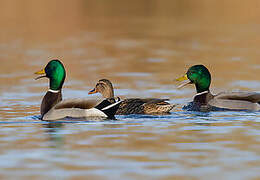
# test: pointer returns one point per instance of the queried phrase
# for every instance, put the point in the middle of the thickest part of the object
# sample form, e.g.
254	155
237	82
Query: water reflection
55	138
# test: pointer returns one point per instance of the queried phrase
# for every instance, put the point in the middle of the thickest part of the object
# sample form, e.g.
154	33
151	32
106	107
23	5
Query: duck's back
237	101
144	106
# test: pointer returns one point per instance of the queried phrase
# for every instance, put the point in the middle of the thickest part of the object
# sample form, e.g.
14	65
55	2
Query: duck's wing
253	97
144	106
77	103
237	101
146	100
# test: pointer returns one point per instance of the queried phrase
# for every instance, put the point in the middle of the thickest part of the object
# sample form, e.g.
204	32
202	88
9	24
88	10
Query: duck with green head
200	76
52	106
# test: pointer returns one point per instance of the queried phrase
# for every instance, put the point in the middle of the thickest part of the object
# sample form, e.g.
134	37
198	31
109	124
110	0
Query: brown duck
132	105
54	108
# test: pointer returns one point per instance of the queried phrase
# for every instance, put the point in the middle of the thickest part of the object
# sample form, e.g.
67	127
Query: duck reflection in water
55	138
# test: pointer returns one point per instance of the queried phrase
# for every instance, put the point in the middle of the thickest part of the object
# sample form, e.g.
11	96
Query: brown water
141	46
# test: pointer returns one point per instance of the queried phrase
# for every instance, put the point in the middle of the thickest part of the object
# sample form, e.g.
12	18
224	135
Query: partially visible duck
205	101
52	106
132	105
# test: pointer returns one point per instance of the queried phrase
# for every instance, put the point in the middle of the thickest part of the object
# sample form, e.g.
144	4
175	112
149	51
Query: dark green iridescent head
55	71
200	76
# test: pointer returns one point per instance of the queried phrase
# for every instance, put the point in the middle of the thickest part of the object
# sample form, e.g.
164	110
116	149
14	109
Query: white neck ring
54	91
204	92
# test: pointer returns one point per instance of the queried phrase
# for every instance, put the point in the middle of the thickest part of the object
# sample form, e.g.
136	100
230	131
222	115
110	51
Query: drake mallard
132	105
53	107
205	101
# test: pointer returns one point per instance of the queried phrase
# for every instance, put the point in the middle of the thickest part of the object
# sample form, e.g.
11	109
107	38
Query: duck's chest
200	102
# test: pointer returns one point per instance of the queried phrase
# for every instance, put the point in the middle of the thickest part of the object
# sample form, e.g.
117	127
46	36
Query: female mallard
132	105
205	101
52	106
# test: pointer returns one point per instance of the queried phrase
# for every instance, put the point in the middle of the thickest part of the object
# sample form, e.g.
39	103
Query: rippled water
181	145
141	47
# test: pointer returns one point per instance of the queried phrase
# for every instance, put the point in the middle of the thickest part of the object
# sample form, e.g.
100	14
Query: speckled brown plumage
144	106
133	105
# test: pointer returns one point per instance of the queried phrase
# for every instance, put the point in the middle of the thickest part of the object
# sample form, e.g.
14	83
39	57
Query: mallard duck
205	101
132	105
52	106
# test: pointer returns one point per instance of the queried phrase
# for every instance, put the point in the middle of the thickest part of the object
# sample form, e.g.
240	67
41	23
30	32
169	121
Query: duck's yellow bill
40	72
183	78
93	91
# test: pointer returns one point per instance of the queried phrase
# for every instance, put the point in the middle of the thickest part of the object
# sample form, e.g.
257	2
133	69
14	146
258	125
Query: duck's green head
55	71
198	75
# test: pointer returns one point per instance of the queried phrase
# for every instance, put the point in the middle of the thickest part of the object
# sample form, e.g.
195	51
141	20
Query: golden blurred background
141	46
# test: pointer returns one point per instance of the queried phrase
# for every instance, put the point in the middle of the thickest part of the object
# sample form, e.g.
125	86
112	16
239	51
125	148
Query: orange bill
93	91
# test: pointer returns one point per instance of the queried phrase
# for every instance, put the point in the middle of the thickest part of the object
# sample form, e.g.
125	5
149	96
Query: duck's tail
109	108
